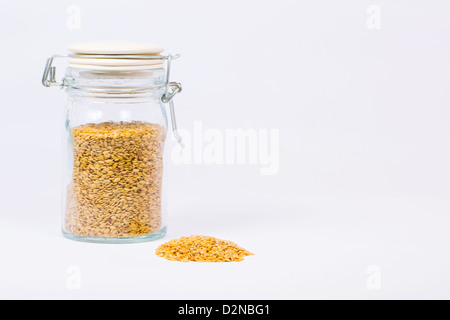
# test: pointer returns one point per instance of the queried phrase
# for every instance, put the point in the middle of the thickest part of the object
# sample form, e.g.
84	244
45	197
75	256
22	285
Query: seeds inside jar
116	180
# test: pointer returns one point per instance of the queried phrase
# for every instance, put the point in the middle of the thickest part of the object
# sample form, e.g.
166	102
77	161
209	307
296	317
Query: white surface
363	180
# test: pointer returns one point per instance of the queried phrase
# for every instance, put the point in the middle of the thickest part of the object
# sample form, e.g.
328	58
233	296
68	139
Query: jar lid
105	56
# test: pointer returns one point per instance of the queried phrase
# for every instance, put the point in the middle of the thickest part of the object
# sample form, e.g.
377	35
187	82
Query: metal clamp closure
171	88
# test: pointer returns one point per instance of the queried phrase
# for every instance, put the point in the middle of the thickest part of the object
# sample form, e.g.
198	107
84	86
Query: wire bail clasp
48	78
172	89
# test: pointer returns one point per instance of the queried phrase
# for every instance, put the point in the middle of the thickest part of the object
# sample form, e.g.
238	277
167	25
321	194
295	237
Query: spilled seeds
116	180
201	249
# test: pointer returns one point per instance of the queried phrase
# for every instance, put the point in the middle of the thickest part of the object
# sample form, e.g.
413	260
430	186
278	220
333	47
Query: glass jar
115	132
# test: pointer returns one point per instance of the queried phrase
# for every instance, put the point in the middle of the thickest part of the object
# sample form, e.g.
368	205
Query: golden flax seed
106	157
201	249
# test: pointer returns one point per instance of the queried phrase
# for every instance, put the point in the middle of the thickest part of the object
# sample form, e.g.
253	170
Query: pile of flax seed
202	249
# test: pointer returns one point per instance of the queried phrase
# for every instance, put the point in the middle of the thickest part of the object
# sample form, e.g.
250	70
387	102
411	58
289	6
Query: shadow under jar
115	132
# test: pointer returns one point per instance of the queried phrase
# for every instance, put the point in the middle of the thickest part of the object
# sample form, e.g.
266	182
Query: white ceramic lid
115	48
112	49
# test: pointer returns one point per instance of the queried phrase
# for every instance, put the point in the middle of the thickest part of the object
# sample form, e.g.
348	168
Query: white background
364	158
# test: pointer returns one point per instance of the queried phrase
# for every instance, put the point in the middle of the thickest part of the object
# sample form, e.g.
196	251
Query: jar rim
116	82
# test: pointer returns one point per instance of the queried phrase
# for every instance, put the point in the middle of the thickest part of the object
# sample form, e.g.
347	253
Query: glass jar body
116	128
